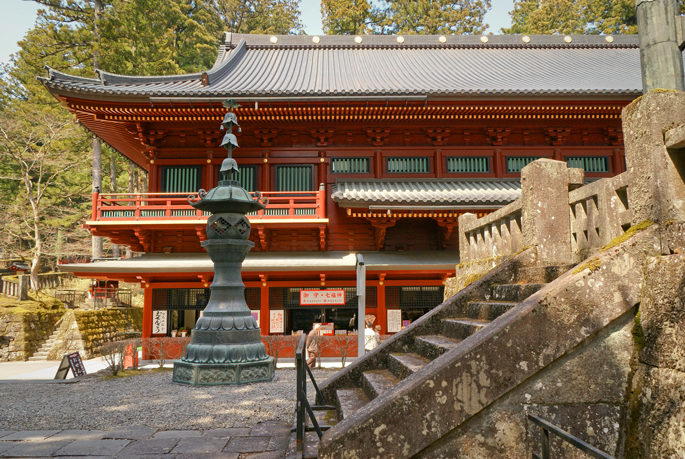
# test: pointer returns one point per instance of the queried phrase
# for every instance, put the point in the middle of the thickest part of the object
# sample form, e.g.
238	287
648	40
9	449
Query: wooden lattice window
181	179
589	163
468	164
294	178
408	165
516	163
350	165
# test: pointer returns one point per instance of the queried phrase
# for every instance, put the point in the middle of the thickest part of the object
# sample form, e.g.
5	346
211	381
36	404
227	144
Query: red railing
172	206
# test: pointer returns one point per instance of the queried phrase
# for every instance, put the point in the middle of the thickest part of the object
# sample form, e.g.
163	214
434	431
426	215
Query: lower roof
274	261
436	193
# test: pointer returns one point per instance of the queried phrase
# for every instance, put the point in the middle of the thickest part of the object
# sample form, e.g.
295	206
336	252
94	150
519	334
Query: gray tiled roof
252	66
429	192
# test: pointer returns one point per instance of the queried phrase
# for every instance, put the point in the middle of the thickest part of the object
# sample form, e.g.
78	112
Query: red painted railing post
321	202
96	205
138	204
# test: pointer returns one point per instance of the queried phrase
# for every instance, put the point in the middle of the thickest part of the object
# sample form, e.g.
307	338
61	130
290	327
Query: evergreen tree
539	17
259	16
404	16
351	17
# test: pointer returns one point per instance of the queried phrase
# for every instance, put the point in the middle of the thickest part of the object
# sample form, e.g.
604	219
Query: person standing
371	339
313	342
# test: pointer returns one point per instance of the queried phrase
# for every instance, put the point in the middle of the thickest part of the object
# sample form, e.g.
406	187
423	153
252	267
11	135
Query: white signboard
276	321
394	320
308	297
159	322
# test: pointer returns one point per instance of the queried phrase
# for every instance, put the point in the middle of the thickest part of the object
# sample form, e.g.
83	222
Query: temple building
369	145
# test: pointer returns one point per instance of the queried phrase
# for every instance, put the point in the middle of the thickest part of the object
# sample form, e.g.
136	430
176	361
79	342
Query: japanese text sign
308	297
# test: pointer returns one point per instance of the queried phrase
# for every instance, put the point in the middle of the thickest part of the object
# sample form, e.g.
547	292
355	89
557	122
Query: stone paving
268	440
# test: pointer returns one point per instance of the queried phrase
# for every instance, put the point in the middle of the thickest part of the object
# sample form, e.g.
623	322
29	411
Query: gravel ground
150	400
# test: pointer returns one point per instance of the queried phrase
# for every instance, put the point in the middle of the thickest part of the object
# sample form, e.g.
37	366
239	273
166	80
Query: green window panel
404	165
247	176
516	163
349	165
468	165
294	178
181	179
590	163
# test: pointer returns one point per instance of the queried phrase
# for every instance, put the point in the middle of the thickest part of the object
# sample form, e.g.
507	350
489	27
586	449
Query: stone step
488	310
433	346
349	401
514	292
375	382
404	365
461	328
37	359
537	274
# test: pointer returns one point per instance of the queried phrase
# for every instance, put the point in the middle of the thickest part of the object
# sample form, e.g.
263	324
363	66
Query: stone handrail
599	213
492	236
10	286
565	221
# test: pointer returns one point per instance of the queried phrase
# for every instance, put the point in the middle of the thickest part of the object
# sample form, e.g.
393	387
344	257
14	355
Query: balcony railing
173	206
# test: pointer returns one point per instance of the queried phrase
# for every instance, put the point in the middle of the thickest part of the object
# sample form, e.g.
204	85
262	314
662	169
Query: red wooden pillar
147	320
382	310
264	310
618	162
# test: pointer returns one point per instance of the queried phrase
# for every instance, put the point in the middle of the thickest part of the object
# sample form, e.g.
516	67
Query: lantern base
215	374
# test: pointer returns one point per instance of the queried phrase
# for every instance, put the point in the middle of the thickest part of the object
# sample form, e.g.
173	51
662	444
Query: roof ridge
56	75
411	41
217	72
107	78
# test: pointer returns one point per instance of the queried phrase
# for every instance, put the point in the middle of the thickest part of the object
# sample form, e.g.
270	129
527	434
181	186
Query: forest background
49	165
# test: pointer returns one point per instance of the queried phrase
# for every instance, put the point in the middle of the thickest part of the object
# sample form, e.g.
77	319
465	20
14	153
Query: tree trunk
97	186
97	144
113	189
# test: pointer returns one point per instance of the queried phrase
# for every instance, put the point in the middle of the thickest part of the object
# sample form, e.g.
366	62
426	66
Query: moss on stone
630	232
593	265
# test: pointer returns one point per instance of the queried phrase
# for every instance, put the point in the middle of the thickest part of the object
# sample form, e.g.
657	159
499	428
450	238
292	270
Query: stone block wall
87	330
28	328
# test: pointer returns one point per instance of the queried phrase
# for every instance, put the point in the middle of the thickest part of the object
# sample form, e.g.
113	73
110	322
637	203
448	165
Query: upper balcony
173	209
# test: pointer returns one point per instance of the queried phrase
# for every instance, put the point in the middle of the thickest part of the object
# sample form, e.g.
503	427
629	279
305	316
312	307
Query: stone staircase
427	348
424	346
42	353
460	381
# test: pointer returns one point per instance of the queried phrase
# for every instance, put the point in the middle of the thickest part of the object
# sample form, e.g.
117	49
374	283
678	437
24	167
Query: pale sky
18	16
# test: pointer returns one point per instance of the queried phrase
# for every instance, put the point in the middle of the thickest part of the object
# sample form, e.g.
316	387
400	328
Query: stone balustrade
565	221
599	213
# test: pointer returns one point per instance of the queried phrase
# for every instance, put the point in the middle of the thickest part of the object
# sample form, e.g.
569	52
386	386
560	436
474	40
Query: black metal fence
303	408
548	428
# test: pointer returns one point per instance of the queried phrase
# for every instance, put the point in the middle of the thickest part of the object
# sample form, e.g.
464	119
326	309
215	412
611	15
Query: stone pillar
464	245
656	191
23	287
545	215
660	56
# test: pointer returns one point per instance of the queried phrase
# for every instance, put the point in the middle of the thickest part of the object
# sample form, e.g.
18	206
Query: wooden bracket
557	135
613	136
381	224
263	237
322	136
322	238
265	136
377	136
447	224
497	136
437	136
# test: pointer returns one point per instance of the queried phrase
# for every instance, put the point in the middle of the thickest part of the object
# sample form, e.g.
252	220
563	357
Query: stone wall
87	330
657	402
28	329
